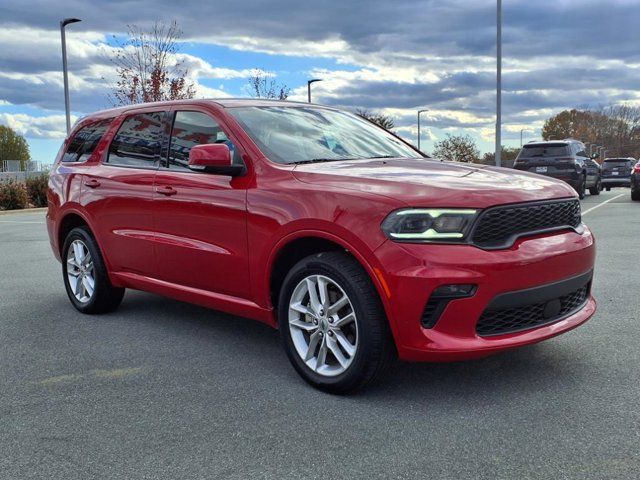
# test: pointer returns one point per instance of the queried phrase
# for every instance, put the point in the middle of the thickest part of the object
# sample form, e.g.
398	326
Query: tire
595	190
582	188
608	189
104	297
368	334
635	195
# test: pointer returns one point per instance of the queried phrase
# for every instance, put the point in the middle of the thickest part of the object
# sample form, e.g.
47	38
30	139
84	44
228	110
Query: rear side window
191	129
137	143
547	150
85	141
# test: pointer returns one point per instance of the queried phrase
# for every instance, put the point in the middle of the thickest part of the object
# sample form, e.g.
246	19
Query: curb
24	210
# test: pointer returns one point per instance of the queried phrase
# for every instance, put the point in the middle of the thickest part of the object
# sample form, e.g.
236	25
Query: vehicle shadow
254	351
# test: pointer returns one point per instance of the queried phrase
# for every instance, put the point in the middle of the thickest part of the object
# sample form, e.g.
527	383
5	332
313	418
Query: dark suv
565	160
616	172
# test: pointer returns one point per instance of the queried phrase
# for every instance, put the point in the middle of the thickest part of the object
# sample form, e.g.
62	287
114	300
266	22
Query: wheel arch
298	245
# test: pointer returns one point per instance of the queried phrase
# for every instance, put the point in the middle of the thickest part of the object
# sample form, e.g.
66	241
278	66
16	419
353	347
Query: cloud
397	56
51	126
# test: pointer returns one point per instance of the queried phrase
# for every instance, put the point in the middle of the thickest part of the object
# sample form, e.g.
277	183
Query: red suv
315	221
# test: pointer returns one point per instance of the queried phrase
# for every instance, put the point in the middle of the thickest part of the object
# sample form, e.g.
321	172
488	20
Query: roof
222	102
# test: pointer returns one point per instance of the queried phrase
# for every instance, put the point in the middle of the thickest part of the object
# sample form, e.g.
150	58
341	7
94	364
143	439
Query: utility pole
64	23
499	84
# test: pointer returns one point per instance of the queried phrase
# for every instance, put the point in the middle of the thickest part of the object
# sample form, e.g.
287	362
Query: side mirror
214	158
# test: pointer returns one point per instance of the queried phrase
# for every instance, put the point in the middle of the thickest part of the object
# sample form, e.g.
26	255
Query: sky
392	57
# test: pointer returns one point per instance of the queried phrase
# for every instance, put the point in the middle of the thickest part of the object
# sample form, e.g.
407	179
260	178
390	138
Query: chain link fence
17	171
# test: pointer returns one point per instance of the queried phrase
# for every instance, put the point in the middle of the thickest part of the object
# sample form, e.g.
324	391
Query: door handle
166	190
92	183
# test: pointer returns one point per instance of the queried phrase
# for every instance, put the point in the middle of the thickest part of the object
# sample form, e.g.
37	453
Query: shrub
37	190
13	196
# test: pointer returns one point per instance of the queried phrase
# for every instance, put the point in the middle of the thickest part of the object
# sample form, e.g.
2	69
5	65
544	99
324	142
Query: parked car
616	172
565	160
319	223
634	181
594	176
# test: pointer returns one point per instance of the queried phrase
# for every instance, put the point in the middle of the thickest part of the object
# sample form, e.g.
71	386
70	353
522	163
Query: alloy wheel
323	326
80	271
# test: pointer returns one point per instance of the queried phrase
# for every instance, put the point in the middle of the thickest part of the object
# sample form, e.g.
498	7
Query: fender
367	259
76	209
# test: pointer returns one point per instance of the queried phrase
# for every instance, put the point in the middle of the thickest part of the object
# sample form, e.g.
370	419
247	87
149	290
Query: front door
200	219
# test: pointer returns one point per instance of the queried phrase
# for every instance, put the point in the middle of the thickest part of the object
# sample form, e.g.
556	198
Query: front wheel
85	276
596	189
332	323
635	195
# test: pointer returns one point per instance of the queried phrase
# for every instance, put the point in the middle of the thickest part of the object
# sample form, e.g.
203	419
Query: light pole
522	130
64	23
309	82
419	112
499	84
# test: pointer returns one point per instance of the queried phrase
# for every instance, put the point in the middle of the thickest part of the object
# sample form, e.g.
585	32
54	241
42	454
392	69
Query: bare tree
457	148
263	85
384	121
147	68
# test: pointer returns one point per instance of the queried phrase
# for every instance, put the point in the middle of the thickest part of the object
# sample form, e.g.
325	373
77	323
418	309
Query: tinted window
580	150
191	129
85	141
137	142
608	164
547	150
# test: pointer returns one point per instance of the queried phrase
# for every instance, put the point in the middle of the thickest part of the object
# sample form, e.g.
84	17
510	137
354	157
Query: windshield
548	150
312	134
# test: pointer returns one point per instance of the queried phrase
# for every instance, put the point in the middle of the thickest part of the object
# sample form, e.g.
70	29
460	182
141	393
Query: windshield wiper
384	156
319	160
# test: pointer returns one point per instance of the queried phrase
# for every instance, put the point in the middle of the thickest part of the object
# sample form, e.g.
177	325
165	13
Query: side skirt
217	301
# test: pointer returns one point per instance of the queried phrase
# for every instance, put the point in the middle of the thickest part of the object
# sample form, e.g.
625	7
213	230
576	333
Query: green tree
13	147
384	121
507	156
457	148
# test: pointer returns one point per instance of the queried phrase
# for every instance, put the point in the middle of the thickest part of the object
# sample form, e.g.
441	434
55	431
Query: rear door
118	192
201	218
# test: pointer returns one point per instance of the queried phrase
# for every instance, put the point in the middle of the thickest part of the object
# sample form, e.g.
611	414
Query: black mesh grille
509	320
500	226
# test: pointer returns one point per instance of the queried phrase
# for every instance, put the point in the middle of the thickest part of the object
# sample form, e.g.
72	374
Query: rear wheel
608	189
582	188
595	190
635	195
332	323
85	276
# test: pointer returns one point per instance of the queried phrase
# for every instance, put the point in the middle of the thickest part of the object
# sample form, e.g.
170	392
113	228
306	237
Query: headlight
429	225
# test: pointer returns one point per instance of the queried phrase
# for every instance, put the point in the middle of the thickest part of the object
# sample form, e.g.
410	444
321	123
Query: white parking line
602	203
16	221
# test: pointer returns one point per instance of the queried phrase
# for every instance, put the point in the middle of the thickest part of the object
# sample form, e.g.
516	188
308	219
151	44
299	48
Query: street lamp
64	23
499	83
309	82
522	130
419	112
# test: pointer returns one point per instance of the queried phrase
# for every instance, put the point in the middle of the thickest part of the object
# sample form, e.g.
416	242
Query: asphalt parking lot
163	389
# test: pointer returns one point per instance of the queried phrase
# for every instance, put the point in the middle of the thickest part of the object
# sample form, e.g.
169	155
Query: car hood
427	182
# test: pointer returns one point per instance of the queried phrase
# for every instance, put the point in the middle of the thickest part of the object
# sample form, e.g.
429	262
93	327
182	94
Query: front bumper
414	271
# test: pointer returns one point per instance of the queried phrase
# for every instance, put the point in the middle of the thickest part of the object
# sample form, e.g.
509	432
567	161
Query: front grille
499	321
499	227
